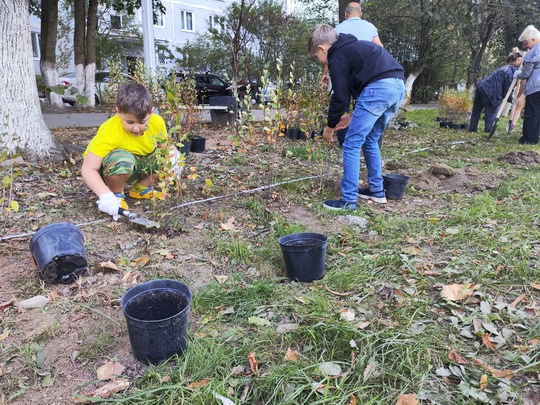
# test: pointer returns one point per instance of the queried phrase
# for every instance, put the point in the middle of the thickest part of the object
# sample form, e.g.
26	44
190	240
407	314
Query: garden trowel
137	219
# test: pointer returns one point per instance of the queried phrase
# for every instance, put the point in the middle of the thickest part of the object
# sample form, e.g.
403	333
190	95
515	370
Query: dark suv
207	85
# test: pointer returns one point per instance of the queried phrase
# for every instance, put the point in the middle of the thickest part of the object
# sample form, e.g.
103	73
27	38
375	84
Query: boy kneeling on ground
124	150
370	75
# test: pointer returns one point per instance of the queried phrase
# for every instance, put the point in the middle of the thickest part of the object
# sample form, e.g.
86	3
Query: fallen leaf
516	301
483	382
166	379
407	399
286	327
226	311
487	342
104	392
253	364
39	301
221	279
53	295
302	300
199	226
109	371
456	357
362	325
352	400
5	334
141	261
493	371
368	371
199	384
457	292
109	265
255	320
5	305
229	225
291	355
536	286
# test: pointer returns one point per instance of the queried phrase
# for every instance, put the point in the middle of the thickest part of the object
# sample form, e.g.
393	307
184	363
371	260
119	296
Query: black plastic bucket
58	250
395	185
157	313
304	255
198	144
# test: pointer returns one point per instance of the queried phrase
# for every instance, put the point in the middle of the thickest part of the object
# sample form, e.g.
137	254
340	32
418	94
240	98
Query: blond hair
529	33
322	34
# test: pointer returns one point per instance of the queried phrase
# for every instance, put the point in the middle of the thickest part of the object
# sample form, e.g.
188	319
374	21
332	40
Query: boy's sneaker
146	194
367	194
339	205
122	200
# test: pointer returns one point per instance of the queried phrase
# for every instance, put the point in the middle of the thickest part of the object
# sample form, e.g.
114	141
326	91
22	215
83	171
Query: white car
102	80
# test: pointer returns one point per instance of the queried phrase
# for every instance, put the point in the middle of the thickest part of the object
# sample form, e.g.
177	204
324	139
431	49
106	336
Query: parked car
102	80
211	85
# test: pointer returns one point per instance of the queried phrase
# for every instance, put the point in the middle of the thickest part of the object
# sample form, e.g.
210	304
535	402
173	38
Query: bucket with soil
395	185
304	255
156	313
58	252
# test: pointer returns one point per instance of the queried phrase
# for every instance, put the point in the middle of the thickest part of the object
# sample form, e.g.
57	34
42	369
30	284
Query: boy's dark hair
134	99
322	34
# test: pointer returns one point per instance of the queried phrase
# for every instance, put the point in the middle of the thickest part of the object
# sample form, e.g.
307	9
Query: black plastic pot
296	133
157	313
58	250
395	185
445	124
304	255
185	148
198	143
456	126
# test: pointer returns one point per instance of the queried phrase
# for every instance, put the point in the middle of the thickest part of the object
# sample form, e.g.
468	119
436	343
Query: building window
160	20
36	39
116	22
215	23
187	20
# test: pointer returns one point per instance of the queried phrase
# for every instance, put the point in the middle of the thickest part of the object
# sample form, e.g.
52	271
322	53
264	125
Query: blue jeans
377	103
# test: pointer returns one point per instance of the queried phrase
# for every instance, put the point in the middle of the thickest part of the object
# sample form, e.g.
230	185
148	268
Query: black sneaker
367	194
339	205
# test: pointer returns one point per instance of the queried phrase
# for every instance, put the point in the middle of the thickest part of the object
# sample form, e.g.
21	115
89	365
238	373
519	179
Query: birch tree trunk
21	122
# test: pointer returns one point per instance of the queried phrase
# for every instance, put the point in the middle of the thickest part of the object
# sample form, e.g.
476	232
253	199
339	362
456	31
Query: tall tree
22	125
47	63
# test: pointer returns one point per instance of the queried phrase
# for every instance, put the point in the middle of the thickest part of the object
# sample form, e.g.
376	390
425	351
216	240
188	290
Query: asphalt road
75	119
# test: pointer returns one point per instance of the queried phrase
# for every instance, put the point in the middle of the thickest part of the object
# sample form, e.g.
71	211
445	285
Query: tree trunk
409	82
47	63
20	110
79	43
90	62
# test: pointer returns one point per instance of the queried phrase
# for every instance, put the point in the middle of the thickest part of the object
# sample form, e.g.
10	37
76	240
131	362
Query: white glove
175	164
109	204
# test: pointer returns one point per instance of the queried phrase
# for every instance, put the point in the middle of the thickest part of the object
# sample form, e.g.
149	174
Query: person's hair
353	8
529	33
322	34
514	55
134	99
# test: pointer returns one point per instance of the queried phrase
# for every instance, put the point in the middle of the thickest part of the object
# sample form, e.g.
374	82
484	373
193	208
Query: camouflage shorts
120	161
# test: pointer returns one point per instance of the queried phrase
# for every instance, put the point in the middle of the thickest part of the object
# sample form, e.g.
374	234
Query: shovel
503	104
132	217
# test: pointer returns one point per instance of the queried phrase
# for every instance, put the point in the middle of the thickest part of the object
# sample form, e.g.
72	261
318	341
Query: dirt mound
465	181
521	158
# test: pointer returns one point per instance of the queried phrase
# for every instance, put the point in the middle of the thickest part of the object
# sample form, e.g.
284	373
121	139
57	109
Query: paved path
74	119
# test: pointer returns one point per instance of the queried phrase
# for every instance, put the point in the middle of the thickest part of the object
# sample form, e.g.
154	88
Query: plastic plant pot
395	185
304	255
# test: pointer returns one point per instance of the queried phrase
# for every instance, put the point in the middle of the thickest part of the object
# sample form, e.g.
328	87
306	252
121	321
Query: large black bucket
395	185
157	313
58	250
304	255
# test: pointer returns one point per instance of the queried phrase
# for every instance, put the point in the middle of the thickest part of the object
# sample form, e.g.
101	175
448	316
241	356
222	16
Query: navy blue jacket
496	84
353	65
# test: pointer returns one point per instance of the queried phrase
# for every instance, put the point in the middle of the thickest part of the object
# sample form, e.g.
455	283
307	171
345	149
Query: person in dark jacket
366	72
491	90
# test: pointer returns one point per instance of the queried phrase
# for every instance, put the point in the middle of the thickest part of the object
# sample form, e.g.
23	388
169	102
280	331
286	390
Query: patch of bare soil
521	158
465	181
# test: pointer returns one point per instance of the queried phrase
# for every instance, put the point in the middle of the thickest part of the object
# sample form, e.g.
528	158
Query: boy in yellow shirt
124	149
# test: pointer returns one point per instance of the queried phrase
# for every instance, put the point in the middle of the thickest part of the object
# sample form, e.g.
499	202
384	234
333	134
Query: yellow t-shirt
111	135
